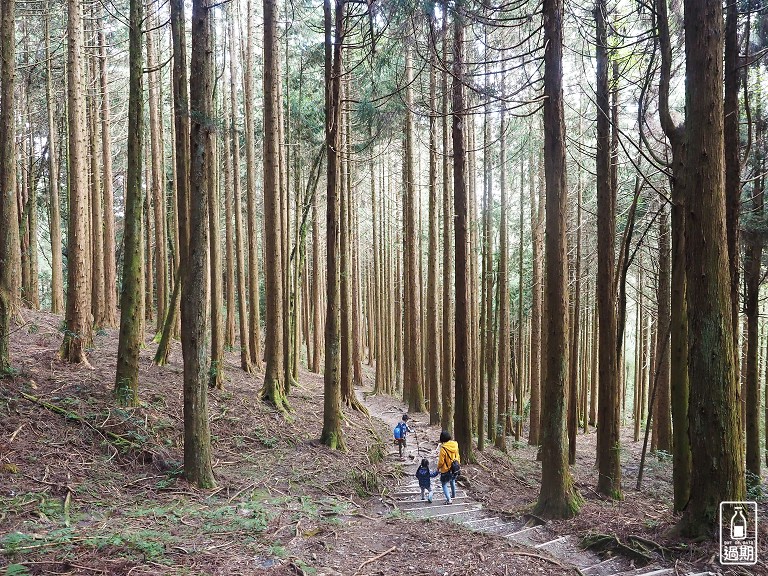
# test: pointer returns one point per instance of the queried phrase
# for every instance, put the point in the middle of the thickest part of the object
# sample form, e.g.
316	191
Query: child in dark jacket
425	479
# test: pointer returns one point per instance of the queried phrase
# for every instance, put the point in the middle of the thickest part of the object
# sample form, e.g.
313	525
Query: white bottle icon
738	524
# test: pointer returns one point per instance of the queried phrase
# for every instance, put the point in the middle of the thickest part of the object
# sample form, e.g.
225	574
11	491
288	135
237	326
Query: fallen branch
377	557
115	438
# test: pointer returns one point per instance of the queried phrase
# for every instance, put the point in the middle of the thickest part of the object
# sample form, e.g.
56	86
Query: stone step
436	509
437	500
647	571
551	542
457	514
605	568
531	536
404	496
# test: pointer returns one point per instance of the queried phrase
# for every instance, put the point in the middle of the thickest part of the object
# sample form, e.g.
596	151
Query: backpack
399	431
455	468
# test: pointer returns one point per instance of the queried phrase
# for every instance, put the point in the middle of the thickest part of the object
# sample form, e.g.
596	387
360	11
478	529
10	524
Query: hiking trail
525	533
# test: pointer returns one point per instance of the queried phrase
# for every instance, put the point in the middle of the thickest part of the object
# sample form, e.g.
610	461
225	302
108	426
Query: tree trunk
717	459
78	335
752	269
488	350
412	352
216	372
316	305
244	276
732	160
250	159
537	225
558	497
229	237
345	267
679	385
447	367
273	389
156	142
662	410
573	409
432	365
499	433
608	409
129	344
97	211
197	434
110	267
57	273
462	419
10	256
332	435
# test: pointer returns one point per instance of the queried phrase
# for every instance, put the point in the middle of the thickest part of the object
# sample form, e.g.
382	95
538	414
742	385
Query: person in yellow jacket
449	451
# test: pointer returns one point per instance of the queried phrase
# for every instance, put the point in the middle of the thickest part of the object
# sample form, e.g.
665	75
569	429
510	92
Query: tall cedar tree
181	135
500	434
413	350
462	418
558	497
194	320
608	410
57	274
10	256
537	226
274	376
78	335
713	417
661	418
432	356
250	158
331	434
752	269
110	273
447	366
129	344
679	386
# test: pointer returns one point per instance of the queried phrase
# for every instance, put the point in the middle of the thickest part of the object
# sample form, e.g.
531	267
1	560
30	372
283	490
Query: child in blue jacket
425	479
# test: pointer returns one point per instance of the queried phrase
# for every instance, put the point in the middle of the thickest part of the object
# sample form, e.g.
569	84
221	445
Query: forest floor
95	489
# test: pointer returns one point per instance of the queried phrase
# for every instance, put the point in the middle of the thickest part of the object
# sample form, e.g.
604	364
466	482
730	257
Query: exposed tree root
602	542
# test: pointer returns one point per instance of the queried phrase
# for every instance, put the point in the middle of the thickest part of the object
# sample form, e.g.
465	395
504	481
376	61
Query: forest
241	240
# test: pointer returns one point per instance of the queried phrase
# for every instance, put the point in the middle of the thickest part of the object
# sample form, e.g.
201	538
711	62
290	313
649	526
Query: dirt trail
525	532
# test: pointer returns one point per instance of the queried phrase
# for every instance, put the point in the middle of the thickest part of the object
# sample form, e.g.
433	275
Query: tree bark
662	411
537	225
10	255
447	367
129	343
432	356
273	389
332	435
78	335
244	276
57	271
412	353
608	409
462	420
250	159
197	434
558	497
717	459
110	281
752	273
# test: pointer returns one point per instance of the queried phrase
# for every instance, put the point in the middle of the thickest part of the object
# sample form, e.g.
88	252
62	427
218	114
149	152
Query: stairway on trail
468	512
